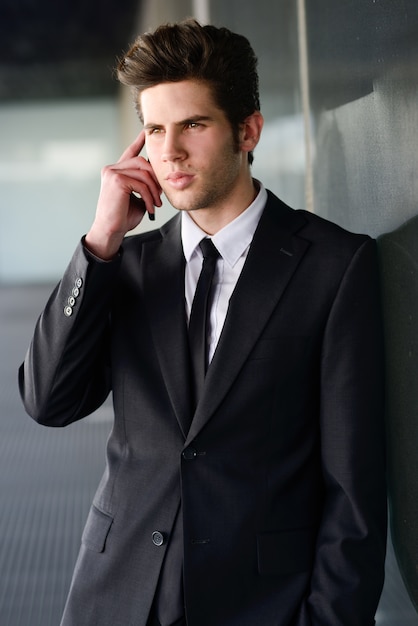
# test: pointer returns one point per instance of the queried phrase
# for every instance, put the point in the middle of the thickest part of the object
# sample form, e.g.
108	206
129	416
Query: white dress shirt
232	242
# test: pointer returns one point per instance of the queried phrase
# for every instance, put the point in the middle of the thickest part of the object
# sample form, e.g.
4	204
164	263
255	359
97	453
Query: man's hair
188	50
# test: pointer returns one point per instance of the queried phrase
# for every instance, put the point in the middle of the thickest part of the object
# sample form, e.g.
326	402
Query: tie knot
208	249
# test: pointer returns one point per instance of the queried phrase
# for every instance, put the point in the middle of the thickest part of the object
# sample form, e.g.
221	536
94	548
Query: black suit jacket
281	475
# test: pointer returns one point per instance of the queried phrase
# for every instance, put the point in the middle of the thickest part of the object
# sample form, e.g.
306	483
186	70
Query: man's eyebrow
189	120
151	125
195	118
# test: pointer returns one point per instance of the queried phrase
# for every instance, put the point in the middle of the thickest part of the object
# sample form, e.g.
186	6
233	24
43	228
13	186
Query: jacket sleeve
349	568
66	374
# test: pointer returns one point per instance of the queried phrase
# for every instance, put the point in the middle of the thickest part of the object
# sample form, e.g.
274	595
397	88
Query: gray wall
363	95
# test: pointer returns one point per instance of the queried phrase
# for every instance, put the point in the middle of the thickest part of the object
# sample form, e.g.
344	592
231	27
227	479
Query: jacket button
78	282
157	538
68	311
189	454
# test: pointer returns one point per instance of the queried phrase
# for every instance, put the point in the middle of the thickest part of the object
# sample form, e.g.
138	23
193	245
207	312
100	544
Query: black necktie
199	316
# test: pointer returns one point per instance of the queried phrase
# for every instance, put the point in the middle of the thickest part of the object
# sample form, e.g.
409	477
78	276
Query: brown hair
188	50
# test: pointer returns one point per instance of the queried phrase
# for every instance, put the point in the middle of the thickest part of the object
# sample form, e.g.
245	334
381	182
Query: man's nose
173	149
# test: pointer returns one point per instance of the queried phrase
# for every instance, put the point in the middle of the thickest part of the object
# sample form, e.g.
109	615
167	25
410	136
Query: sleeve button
68	311
157	538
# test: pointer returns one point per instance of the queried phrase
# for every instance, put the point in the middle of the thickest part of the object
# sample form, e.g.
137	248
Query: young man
257	496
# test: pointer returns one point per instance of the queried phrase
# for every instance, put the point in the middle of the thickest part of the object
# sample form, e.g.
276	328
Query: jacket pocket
96	530
286	552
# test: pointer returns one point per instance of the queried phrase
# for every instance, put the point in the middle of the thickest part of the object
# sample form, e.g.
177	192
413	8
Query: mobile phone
151	216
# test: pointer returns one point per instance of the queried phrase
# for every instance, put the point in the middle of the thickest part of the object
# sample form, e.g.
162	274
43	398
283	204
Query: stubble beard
215	189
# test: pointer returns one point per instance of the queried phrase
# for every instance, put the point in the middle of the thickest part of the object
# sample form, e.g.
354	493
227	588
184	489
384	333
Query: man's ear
250	131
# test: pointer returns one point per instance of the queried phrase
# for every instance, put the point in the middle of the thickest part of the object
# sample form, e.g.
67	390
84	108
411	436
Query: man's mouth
179	180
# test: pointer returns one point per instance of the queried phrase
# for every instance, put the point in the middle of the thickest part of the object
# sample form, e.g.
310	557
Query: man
255	497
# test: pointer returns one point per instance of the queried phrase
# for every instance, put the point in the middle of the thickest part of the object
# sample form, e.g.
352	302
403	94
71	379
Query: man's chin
181	204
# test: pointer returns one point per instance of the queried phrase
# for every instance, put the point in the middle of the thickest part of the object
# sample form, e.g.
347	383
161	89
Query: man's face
190	146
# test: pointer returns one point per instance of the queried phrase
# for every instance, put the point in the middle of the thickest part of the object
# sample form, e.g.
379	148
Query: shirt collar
233	239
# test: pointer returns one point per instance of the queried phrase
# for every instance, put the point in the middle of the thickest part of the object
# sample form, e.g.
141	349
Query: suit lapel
274	255
163	263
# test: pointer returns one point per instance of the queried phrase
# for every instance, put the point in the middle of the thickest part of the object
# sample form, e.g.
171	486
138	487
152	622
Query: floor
47	480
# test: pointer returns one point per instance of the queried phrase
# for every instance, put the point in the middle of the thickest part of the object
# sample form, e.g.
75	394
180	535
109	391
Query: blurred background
339	92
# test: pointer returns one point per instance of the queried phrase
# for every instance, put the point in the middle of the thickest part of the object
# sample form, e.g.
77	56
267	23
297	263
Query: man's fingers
141	195
135	148
143	182
138	164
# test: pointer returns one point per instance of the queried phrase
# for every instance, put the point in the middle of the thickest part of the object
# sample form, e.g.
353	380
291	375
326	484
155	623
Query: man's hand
118	209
